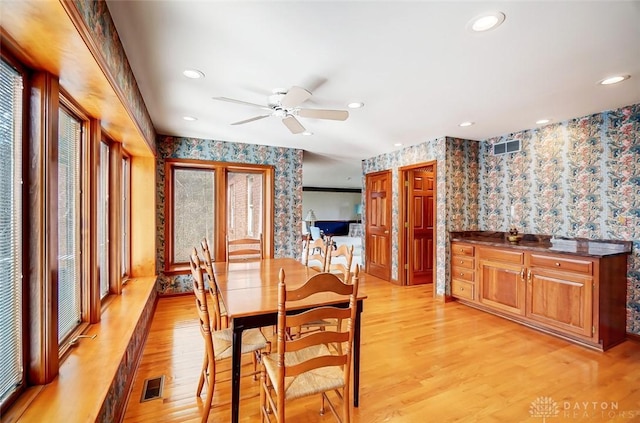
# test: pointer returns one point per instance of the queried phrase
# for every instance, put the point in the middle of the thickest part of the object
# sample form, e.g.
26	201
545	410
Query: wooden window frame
220	169
43	98
89	286
123	191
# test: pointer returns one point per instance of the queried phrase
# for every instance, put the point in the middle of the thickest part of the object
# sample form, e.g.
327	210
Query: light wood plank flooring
422	360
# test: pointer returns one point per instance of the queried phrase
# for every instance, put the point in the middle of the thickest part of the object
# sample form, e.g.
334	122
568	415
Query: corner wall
456	198
578	178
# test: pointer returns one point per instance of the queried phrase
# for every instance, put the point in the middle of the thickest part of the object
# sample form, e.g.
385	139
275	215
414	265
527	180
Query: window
11	240
245	204
103	219
213	200
231	195
193	206
69	277
250	208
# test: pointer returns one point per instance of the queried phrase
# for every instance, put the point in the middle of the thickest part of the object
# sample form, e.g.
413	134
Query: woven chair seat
252	340
309	383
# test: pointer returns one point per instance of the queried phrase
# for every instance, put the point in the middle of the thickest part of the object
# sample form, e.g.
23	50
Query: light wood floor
422	360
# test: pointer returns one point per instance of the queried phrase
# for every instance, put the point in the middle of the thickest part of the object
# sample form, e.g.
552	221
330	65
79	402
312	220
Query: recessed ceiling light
614	79
189	118
355	105
542	121
486	21
307	133
398	144
193	73
465	124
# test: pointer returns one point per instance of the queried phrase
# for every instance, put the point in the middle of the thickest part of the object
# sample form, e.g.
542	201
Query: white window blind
11	356
103	220
69	288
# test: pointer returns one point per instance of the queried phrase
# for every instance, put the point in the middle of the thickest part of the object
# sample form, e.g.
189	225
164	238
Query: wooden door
561	300
502	286
378	225
420	225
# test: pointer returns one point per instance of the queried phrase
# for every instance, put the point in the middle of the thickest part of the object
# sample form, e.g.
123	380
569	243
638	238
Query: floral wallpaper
106	43
579	178
288	192
457	188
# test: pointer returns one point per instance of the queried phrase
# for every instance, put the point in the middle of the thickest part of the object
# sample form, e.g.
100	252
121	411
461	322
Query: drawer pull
461	273
462	289
461	250
461	261
557	264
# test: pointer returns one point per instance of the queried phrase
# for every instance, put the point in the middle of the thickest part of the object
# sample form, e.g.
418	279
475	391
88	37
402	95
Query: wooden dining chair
218	343
245	249
316	254
309	364
220	310
339	261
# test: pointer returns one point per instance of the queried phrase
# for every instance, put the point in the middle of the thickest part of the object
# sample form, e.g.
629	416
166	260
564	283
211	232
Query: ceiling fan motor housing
275	100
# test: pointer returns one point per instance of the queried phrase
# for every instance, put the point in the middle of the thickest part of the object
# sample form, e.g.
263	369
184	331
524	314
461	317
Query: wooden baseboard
633	337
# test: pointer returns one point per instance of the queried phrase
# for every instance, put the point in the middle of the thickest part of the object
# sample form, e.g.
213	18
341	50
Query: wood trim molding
146	128
325	189
90	216
116	218
633	337
43	200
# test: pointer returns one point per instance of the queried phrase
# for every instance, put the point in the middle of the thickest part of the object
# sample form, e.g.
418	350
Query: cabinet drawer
462	250
462	273
562	263
462	289
462	261
501	255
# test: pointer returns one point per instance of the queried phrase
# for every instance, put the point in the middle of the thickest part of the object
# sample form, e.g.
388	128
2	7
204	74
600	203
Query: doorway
418	214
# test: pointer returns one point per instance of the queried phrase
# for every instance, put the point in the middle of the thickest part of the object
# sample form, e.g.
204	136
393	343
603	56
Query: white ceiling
416	67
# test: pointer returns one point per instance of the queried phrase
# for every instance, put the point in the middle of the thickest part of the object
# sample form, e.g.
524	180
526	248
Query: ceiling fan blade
250	120
324	114
294	97
294	126
245	103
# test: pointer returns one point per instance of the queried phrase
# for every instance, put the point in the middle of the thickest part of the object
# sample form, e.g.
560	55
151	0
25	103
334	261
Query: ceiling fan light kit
285	105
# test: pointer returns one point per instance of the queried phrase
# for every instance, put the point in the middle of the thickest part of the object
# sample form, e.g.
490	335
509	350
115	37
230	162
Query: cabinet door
561	300
502	286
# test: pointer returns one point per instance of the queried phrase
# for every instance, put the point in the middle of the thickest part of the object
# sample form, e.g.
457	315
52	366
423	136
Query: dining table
249	290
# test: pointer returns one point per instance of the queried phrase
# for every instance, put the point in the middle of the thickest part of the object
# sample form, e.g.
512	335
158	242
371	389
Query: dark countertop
546	244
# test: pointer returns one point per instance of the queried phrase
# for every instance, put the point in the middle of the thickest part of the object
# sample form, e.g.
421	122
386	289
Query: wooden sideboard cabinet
579	298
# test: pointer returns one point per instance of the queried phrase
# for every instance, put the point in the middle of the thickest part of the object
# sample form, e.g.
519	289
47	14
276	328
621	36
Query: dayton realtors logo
546	407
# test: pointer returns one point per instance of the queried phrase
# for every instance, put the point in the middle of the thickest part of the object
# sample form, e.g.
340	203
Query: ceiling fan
286	105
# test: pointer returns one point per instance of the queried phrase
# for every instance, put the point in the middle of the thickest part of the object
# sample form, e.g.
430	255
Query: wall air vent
504	147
